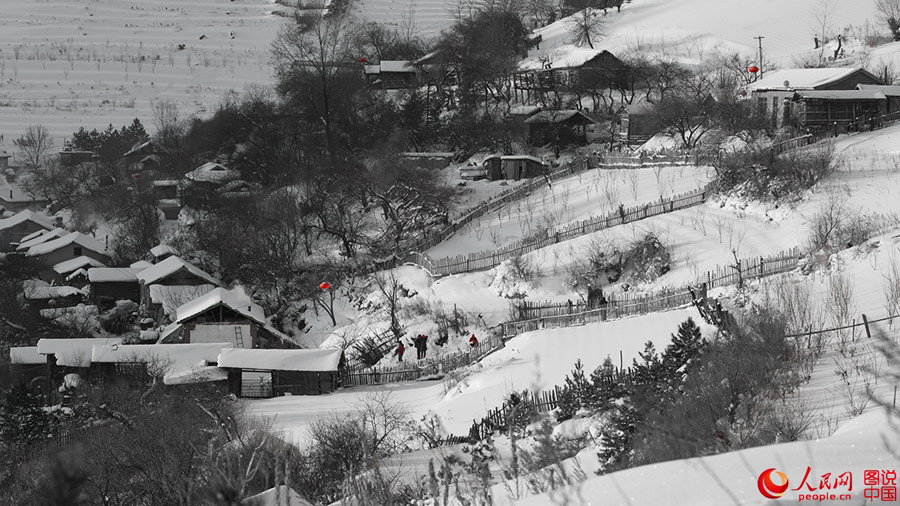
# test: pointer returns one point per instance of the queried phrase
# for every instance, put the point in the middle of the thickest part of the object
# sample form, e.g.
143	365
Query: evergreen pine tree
574	393
603	385
617	439
686	347
649	371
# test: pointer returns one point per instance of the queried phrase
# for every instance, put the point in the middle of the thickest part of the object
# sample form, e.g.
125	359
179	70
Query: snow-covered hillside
71	63
692	29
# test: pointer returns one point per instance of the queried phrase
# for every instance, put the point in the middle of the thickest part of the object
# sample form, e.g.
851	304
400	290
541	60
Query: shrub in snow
642	260
515	277
81	320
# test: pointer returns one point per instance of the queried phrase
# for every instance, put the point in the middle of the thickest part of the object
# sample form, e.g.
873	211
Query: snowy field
71	63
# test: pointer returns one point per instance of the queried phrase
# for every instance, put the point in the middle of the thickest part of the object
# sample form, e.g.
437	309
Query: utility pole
760	38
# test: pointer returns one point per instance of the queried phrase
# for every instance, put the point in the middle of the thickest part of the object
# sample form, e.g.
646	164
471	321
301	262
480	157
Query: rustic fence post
866	324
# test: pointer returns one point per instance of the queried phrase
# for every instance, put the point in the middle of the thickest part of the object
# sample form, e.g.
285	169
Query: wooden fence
416	369
485	260
609	161
530	317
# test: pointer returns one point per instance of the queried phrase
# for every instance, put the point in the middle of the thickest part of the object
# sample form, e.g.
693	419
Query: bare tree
390	289
34	145
890	13
585	26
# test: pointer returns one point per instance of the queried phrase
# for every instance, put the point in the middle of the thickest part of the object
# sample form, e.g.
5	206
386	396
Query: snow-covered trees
890	13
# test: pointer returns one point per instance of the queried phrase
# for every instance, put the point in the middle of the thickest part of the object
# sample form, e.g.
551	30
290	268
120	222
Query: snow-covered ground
535	361
587	195
69	63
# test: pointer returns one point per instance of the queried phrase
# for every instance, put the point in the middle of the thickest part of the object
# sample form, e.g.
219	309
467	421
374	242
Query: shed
426	160
67	247
70	355
564	125
43	297
225	316
296	372
472	172
23	224
199	186
67	267
392	74
109	284
165	189
522	166
891	92
175	364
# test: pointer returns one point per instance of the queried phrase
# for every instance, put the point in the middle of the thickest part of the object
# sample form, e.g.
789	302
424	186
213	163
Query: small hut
521	167
269	373
494	167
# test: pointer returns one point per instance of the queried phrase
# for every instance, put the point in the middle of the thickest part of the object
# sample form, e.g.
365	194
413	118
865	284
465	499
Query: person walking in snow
423	345
473	341
400	350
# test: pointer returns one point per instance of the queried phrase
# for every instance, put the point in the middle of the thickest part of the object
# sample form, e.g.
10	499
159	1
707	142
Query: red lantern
363	60
137	176
324	285
753	69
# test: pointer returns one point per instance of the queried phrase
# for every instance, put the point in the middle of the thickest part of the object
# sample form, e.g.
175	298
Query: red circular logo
768	488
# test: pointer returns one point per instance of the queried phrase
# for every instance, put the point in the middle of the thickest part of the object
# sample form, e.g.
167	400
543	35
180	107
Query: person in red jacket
400	350
473	342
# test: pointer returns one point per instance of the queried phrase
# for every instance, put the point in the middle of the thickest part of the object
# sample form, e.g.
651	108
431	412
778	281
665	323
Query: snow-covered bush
837	225
642	260
515	277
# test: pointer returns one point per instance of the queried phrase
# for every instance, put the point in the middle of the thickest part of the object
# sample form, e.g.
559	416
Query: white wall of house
221	333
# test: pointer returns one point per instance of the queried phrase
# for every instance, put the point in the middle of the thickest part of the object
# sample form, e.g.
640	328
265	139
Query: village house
200	186
892	93
581	68
566	126
41	295
40	237
65	268
161	252
392	75
816	98
109	284
24	224
67	247
172	272
228	316
71	158
272	373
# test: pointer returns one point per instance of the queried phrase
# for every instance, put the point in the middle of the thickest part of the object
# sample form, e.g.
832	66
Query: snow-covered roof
236	299
73	238
281	360
23	216
558	116
33	235
173	296
76	273
47	235
76	263
890	91
567	57
162	249
113	275
137	148
800	79
283	496
165	182
396	66
51	292
843	94
522	157
73	352
170	266
211	172
176	363
26	355
525	110
141	264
